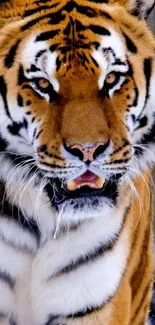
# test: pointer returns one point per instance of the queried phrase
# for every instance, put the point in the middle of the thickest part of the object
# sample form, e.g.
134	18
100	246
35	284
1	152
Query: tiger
77	144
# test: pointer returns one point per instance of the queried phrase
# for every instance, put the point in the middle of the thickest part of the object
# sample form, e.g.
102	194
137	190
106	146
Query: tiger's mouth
88	179
87	186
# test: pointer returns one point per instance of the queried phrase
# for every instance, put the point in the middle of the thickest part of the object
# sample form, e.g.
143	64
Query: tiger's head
77	99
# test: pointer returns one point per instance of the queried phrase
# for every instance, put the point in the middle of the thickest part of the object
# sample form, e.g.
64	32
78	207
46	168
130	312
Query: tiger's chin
75	211
83	202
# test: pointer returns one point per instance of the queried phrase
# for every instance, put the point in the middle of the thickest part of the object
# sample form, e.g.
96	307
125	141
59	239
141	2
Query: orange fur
80	115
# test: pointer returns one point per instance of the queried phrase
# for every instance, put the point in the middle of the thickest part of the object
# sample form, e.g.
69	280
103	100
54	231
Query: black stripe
130	45
3	143
9	60
3	92
138	276
125	144
58	64
147	73
105	14
32	23
51	155
43	149
57	18
21	76
15	214
39	19
142	122
150	9
99	30
138	151
78	314
135	102
34	133
118	62
39	54
6	277
94	61
90	309
118	161
14	128
38	9
33	68
78	26
13	211
85	10
47	35
53	47
150	136
20	100
28	87
25	124
4	3
142	301
53	320
44	163
98	251
38	134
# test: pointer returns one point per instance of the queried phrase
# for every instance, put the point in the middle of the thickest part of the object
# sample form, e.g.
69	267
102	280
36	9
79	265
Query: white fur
23	242
82	287
39	288
30	50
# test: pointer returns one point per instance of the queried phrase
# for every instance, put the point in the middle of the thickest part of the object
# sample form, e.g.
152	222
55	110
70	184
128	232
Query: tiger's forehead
60	56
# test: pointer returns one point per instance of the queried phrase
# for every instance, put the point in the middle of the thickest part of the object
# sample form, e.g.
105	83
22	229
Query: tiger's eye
111	78
43	83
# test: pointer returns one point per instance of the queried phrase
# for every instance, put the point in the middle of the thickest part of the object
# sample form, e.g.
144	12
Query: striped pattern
78	257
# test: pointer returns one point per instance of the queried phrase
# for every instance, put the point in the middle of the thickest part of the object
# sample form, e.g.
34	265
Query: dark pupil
111	84
44	85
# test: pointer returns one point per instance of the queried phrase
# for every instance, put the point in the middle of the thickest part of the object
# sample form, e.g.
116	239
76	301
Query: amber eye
43	83
112	78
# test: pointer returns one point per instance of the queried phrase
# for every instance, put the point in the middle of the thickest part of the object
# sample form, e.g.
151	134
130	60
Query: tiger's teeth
98	183
71	185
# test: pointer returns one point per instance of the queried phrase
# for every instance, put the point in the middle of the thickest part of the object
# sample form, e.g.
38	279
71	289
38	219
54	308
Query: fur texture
76	74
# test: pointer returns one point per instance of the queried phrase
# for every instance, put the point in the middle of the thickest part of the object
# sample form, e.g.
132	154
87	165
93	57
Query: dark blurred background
151	21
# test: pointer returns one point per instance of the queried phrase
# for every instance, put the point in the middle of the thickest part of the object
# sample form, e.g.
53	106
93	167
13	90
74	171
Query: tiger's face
77	98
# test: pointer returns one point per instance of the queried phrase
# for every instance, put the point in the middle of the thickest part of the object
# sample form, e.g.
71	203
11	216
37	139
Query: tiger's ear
140	8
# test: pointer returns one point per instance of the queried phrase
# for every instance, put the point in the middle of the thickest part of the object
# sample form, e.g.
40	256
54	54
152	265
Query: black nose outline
78	153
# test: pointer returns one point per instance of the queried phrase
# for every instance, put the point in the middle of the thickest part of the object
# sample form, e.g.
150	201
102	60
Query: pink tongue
87	177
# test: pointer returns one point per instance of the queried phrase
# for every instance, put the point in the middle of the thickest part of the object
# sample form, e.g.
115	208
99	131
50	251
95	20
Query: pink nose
89	152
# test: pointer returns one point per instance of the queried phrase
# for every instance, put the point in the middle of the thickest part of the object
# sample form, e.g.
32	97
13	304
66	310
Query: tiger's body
77	128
